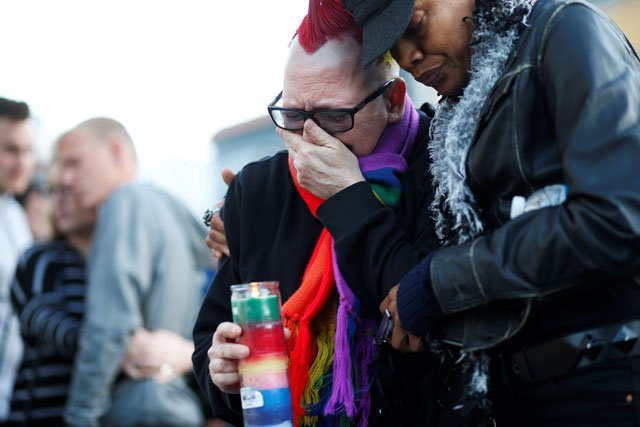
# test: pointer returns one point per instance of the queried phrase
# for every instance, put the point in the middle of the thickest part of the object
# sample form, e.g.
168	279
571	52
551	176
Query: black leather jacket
565	111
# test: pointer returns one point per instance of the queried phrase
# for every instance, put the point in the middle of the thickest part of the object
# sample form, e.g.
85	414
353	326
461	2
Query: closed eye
415	25
335	117
292	115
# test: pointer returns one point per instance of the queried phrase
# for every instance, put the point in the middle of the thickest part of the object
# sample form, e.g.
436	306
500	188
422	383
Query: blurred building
238	145
626	13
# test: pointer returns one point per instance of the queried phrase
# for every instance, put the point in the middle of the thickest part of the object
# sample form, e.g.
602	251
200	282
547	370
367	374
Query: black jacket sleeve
591	81
377	245
216	309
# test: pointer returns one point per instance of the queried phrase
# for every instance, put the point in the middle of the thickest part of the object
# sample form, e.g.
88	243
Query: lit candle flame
255	289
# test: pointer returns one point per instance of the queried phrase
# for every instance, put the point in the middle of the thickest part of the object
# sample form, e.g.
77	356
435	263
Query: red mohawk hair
326	20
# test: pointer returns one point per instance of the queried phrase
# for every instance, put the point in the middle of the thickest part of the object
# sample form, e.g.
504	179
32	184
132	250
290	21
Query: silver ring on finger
208	215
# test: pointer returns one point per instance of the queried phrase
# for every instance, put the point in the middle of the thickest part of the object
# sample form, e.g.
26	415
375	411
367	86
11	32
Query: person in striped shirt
48	297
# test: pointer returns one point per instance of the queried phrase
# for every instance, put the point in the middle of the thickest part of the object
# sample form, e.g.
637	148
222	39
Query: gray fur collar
453	128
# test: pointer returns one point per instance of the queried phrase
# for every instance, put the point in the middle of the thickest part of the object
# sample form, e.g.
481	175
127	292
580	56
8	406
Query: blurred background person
36	203
16	165
145	270
48	298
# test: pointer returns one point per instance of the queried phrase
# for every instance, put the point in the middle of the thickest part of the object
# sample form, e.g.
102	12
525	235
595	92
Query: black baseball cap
382	23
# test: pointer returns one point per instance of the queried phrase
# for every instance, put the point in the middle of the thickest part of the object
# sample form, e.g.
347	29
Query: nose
66	176
408	55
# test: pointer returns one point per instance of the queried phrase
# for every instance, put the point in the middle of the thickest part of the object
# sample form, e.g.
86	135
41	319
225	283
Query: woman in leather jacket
533	153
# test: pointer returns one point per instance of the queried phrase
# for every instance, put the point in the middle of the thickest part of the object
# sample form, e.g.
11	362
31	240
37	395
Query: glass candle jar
264	385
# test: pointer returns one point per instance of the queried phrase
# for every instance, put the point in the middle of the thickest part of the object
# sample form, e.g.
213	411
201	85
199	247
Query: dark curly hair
13	110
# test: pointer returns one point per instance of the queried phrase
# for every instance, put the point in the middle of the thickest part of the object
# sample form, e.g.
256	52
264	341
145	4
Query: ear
395	99
115	148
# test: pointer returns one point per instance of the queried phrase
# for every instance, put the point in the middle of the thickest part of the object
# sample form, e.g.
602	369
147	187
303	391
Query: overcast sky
174	72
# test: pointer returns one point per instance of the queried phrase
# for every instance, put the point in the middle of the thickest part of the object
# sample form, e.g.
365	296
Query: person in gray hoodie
145	270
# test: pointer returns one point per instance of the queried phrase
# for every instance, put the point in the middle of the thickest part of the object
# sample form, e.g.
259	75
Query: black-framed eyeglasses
333	120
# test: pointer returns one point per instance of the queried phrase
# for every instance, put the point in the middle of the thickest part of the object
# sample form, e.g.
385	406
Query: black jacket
271	236
565	111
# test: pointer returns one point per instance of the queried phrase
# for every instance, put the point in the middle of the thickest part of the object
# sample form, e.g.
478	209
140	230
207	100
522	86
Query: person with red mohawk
535	289
316	246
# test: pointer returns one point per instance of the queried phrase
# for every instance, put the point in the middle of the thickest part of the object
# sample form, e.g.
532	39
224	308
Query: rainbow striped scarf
331	346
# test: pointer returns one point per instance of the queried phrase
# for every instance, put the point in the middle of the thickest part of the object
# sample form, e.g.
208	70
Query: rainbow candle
264	386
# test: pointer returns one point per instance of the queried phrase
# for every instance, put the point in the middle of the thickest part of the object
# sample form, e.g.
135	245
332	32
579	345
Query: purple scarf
355	348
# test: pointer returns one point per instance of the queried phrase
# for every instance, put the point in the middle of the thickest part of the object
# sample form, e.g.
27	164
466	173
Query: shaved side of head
344	53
